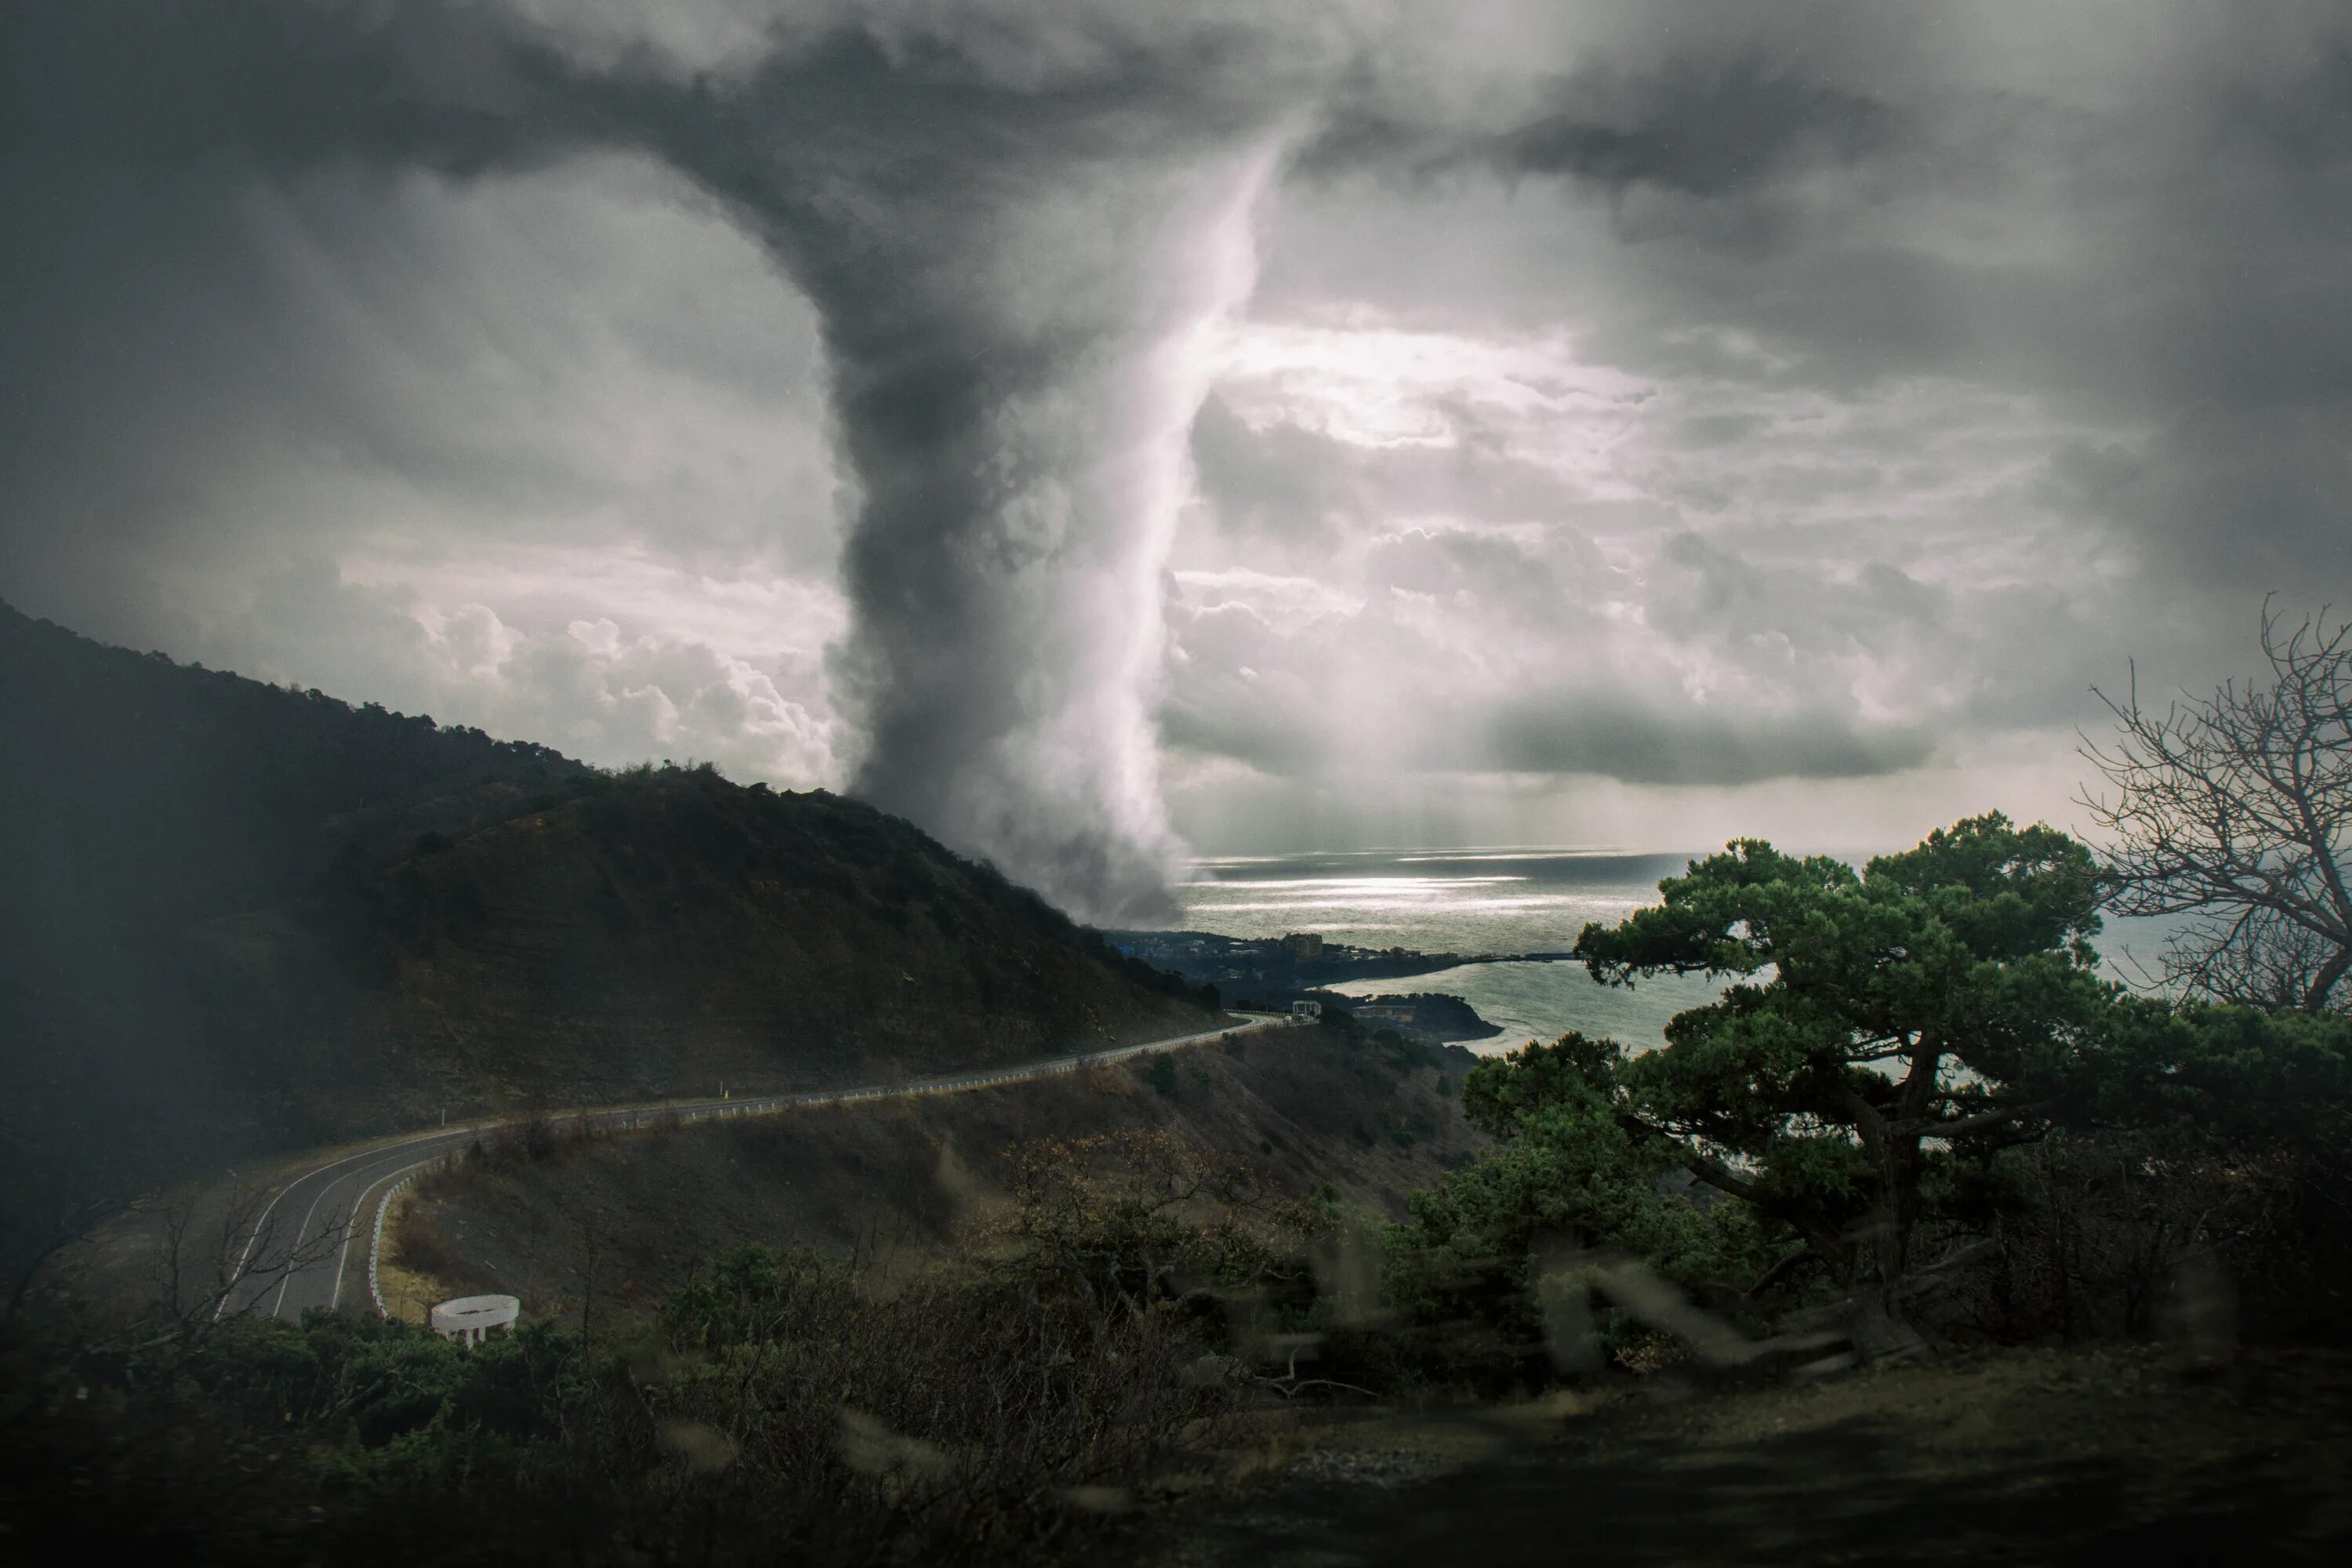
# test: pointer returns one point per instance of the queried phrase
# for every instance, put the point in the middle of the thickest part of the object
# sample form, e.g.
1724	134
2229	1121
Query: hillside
235	918
628	1217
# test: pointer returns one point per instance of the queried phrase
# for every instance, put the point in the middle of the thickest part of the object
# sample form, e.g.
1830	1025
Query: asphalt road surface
310	1247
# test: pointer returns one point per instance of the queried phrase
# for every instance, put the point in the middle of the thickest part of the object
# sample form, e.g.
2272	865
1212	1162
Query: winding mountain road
321	1218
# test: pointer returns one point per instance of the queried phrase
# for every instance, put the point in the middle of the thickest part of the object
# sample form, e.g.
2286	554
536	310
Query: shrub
992	1409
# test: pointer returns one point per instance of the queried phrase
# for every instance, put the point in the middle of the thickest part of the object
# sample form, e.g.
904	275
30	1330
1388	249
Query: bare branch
2236	810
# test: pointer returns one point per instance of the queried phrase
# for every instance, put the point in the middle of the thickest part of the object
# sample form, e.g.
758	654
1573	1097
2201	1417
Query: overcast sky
1102	429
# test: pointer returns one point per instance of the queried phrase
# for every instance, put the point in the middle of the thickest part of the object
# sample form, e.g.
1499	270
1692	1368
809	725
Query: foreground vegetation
1004	1402
1922	1119
1922	1123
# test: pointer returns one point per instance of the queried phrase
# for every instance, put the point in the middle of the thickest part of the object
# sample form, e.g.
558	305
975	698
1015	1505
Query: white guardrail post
375	1246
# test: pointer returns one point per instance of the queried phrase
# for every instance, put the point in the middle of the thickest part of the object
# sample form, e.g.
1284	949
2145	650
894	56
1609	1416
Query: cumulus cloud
1950	360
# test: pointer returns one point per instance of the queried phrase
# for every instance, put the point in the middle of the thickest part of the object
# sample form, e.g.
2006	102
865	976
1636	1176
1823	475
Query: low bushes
998	1407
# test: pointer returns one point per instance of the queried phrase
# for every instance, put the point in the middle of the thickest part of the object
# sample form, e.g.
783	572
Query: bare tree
2235	812
210	1265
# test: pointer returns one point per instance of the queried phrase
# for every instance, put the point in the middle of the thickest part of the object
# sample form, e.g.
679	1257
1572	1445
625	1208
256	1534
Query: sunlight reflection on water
1469	901
1500	901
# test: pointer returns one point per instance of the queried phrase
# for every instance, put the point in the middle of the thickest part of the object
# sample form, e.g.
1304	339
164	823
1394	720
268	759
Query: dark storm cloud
2257	500
1708	131
1706	128
2206	172
2131	220
1698	146
1007	228
1251	729
2111	244
149	318
2303	115
181	82
1581	732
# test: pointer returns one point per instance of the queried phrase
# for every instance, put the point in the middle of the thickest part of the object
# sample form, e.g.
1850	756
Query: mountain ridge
237	917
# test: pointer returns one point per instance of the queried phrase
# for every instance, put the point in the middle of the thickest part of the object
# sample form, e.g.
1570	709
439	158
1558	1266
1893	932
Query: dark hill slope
235	918
732	934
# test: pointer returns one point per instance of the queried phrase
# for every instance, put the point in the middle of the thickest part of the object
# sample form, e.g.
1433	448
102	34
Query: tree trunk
1882	1330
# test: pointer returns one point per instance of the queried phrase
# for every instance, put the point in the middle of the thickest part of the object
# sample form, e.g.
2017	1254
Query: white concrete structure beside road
468	1318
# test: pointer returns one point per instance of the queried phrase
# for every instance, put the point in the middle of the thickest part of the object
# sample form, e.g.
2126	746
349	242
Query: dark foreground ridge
2110	1455
236	918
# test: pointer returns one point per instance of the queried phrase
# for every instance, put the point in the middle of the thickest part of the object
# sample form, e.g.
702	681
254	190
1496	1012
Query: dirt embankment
612	1222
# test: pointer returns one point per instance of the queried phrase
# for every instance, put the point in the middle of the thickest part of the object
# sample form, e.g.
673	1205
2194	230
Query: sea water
1494	900
1469	901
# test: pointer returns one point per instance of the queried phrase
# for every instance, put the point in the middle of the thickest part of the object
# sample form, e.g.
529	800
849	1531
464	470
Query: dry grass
622	1219
405	1267
1101	1078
